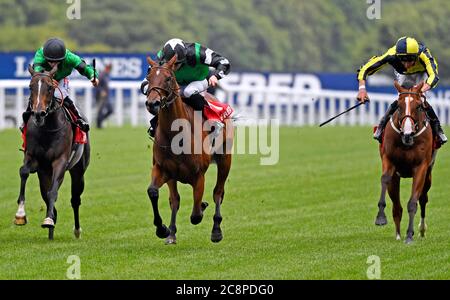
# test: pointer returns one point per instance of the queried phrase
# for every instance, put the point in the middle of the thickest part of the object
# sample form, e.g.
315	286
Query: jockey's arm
218	62
431	67
38	60
362	92
88	71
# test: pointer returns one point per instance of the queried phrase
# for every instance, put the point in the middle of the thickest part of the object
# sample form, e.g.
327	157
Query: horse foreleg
419	176
59	168
397	210
388	172
25	170
174	200
158	180
223	169
423	203
199	206
77	188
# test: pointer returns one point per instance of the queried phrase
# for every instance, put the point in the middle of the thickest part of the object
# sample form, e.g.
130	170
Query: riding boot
435	124
379	133
153	123
83	124
25	116
196	101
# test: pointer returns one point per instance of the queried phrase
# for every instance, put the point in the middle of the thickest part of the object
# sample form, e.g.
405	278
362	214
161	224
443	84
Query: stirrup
217	128
442	138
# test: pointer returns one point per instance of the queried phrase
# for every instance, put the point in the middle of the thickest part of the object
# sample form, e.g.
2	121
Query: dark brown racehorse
407	151
170	165
48	152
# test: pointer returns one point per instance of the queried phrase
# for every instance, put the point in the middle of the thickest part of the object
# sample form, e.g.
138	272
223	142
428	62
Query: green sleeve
77	63
39	60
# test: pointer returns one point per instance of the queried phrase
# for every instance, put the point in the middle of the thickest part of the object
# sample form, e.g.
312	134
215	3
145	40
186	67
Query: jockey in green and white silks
197	68
53	53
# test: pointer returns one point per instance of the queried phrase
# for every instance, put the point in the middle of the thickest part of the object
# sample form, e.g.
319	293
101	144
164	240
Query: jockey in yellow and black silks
412	62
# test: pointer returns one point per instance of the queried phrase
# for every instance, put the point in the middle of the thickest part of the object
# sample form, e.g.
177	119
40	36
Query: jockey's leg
25	116
192	93
379	133
68	103
435	124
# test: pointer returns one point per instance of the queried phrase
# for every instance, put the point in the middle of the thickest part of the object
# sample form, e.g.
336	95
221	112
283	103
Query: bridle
171	92
51	107
402	119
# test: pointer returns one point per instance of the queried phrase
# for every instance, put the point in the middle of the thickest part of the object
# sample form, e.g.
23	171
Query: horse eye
168	79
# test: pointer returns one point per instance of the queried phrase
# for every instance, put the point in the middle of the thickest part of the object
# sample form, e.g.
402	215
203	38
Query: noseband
171	92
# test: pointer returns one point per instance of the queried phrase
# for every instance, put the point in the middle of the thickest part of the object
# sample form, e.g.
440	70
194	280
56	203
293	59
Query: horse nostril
42	113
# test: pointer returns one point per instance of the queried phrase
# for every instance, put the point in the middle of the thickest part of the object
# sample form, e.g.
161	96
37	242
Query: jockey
53	53
412	63
193	74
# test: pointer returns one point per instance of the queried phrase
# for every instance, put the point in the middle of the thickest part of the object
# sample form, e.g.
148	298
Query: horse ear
172	61
151	62
31	70
53	71
398	87
419	86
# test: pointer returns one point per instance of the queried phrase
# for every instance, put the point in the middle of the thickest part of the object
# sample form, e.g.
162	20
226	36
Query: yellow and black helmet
407	48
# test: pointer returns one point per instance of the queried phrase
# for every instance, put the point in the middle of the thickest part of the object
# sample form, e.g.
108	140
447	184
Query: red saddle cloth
217	111
79	136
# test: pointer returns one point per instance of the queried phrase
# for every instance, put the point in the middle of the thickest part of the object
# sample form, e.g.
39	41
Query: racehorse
189	167
407	151
50	151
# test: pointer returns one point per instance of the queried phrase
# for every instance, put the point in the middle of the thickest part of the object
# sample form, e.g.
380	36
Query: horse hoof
20	220
162	232
398	237
77	232
196	219
381	221
48	223
216	236
204	205
409	241
171	240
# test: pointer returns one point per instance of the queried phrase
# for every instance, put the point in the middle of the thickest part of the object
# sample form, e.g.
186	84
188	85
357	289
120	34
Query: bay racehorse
407	151
50	151
170	165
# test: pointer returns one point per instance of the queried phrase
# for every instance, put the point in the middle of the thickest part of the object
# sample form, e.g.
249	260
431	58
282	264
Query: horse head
41	94
162	90
410	112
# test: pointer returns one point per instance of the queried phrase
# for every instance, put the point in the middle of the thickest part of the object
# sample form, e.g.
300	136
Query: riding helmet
54	50
172	47
407	48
